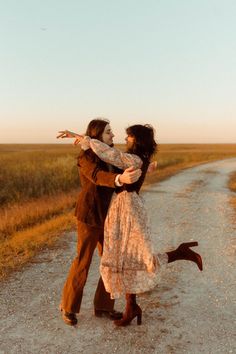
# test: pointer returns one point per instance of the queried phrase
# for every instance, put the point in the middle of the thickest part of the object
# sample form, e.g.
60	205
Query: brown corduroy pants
88	239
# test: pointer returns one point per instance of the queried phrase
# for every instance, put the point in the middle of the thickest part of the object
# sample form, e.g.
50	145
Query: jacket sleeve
95	174
114	156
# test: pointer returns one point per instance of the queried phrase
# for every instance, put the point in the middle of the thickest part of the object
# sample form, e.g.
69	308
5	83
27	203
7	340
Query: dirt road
189	312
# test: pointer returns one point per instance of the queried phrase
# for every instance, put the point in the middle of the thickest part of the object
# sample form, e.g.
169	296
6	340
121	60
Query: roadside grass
39	187
232	181
173	158
232	187
20	216
24	245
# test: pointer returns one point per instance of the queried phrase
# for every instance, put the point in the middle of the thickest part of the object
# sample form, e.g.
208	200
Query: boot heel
139	319
191	244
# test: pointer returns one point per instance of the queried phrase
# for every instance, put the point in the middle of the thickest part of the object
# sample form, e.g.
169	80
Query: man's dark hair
95	130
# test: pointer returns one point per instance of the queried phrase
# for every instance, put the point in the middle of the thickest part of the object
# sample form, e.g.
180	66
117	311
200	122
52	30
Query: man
98	181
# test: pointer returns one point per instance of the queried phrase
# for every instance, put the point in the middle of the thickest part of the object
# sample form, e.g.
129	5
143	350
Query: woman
129	265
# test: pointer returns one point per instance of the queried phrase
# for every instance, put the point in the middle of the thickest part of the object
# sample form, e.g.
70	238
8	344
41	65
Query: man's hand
152	167
130	175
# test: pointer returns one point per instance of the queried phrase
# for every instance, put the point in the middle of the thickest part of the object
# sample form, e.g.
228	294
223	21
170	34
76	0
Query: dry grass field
232	182
39	187
232	186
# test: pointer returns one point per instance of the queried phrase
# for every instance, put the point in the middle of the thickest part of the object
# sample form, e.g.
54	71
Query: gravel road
189	312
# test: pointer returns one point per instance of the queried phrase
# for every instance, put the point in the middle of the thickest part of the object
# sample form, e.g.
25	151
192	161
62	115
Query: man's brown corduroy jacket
98	185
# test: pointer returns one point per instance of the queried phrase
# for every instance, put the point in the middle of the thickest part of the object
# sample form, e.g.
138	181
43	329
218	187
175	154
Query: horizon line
119	143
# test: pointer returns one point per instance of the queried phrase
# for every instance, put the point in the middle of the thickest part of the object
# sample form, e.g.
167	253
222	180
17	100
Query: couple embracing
111	216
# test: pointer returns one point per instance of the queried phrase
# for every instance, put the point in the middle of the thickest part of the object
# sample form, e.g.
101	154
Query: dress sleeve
113	156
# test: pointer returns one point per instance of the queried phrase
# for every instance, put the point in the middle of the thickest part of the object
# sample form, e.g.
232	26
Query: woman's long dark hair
144	142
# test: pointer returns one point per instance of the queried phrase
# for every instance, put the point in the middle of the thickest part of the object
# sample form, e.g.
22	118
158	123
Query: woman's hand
78	139
84	142
68	134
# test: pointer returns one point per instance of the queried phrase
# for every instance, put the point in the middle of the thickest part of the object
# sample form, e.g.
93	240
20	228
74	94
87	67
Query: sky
169	63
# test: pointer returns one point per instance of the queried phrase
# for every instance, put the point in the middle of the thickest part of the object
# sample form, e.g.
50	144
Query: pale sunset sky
170	63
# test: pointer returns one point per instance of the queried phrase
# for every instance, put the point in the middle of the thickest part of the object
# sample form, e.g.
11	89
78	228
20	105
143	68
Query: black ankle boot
132	310
184	252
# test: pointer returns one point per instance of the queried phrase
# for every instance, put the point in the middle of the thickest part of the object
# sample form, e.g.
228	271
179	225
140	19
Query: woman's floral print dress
128	263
